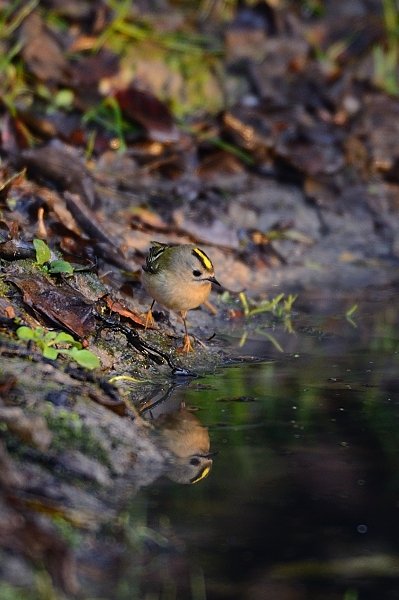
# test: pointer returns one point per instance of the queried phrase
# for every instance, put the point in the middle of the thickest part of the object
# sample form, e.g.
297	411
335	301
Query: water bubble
362	528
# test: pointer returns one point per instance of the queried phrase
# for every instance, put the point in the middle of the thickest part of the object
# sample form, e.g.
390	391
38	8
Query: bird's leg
210	307
149	320
187	347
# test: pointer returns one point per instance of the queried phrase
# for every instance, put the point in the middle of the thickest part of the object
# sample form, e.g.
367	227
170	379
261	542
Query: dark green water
303	498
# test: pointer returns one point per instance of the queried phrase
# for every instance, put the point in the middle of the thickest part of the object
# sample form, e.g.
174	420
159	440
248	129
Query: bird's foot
149	320
187	346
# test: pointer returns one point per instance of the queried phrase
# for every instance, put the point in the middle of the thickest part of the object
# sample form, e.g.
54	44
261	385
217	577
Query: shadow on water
302	501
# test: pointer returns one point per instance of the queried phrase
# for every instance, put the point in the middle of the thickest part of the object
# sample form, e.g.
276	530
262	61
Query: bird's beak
210	455
213	280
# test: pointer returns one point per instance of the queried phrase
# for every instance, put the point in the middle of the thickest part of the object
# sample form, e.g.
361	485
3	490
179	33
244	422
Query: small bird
179	278
182	434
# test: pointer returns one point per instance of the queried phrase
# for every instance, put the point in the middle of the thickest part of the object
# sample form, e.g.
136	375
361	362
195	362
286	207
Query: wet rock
79	465
379	129
31	429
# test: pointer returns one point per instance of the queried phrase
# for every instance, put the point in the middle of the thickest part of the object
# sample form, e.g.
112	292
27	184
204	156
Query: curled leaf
43	253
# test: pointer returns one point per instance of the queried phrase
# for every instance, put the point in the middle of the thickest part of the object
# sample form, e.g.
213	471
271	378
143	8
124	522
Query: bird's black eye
196	273
195	462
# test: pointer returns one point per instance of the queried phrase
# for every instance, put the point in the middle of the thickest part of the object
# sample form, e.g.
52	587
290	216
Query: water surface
302	501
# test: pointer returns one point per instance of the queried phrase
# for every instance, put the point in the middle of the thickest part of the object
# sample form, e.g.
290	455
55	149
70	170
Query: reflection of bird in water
182	434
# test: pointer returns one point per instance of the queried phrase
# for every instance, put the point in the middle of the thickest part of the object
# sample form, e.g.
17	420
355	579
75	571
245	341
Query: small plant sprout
349	313
386	57
49	343
219	143
266	334
57	267
43	252
128	378
280	307
43	257
109	115
271	339
277	306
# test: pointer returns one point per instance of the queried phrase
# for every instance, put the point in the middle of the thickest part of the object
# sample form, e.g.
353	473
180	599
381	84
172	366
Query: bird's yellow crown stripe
203	258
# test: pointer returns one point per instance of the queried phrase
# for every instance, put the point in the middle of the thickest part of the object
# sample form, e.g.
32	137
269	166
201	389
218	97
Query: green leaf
84	358
50	335
51	353
60	266
350	312
65	338
43	253
244	303
271	338
64	98
26	333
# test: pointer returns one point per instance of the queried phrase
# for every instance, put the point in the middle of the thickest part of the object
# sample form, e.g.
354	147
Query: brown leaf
89	71
144	108
7	382
88	220
41	52
63	168
14	134
121	310
61	305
